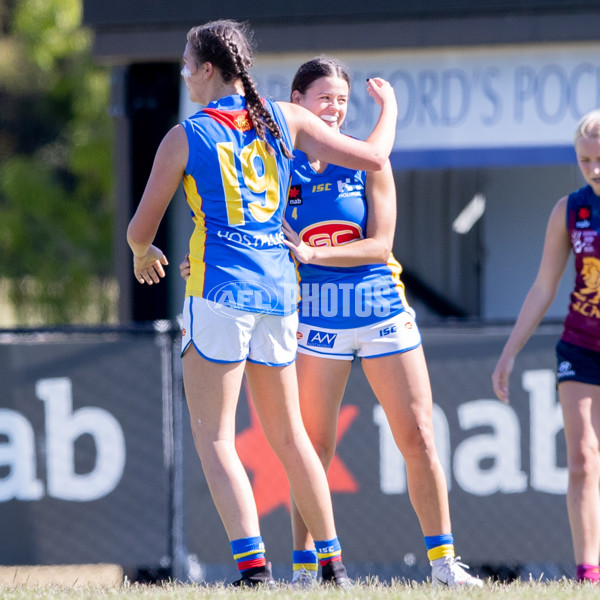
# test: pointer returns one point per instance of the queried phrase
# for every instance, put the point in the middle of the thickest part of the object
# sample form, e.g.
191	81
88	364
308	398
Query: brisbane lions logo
591	277
331	233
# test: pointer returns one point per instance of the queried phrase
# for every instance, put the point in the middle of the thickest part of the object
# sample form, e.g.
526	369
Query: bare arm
555	255
167	171
381	224
313	137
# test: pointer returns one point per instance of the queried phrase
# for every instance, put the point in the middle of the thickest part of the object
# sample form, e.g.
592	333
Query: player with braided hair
233	47
240	310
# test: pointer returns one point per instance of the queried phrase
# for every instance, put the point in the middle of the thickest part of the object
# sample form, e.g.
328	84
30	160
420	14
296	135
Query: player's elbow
384	253
378	162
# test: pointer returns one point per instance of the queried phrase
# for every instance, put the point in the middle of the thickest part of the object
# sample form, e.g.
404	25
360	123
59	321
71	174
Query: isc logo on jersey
331	233
321	339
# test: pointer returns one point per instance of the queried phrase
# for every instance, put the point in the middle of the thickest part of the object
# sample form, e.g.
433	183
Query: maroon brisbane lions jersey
582	325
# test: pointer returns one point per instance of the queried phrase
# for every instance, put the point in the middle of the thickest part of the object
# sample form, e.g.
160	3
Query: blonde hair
589	125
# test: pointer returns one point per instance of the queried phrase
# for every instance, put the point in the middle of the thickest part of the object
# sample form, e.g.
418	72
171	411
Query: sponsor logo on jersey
347	187
295	195
583	217
253	241
321	339
331	233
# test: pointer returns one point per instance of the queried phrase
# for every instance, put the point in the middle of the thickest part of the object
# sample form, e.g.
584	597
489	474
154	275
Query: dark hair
227	45
320	66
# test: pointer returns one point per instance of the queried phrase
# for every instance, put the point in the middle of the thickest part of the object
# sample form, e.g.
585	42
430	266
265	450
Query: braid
259	115
227	45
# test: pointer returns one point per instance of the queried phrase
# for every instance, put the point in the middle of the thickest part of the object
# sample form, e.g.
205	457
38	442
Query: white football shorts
223	334
396	334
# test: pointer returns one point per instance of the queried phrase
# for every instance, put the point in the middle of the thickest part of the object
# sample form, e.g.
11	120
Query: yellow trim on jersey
396	269
195	283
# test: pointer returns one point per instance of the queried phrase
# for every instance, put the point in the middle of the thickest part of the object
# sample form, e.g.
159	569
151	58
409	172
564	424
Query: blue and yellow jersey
237	192
330	209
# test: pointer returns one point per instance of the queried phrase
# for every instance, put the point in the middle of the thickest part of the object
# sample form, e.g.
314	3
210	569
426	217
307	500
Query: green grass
559	590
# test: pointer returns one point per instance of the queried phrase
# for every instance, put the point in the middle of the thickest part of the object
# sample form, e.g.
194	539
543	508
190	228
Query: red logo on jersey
583	212
295	195
299	335
234	119
583	218
331	233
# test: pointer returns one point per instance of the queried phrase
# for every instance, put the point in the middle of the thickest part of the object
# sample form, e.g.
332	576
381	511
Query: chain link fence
97	463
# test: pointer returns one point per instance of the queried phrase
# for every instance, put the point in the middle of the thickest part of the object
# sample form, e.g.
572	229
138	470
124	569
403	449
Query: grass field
560	590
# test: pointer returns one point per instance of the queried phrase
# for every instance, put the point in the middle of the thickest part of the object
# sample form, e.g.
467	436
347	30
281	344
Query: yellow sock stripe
323	555
441	551
307	566
244	554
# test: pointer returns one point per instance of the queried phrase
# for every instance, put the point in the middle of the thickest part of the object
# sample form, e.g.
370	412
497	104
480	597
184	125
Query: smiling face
326	97
588	158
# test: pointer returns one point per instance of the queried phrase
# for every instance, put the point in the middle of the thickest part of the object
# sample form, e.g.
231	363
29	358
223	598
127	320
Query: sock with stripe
328	550
305	560
439	546
249	553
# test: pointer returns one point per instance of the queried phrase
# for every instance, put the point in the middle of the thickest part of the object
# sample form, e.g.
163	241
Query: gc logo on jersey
321	339
331	233
295	195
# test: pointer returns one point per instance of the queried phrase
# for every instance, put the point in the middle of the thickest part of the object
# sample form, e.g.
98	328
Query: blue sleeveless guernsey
237	193
330	209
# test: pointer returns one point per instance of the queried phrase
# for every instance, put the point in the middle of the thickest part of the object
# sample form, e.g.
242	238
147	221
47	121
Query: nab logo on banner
63	428
320	339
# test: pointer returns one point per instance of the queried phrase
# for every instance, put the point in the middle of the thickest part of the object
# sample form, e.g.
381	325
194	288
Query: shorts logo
387	331
583	218
320	339
184	332
565	369
299	335
295	195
